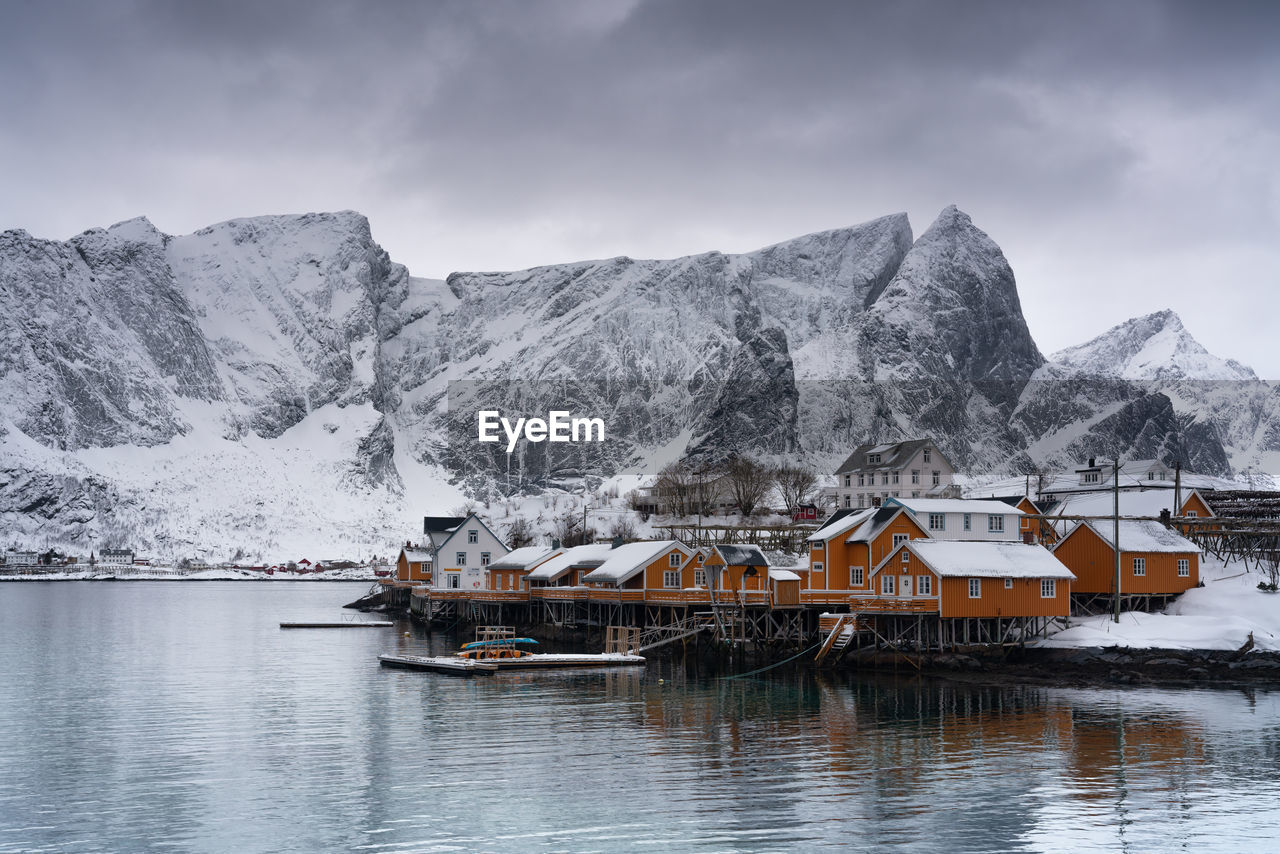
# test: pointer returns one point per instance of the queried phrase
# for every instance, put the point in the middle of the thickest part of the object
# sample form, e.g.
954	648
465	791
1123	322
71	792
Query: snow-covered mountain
1154	347
279	383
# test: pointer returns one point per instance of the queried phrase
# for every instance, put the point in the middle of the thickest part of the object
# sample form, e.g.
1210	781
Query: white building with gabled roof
461	556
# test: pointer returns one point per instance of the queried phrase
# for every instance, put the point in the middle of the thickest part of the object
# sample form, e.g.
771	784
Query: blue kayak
499	642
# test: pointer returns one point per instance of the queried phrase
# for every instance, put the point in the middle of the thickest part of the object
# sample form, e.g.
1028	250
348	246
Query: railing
499	596
559	594
868	603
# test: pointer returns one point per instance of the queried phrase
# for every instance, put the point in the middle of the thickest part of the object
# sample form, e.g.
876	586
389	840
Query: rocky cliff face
283	373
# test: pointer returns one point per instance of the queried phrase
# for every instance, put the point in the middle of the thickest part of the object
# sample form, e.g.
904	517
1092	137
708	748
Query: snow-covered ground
1220	615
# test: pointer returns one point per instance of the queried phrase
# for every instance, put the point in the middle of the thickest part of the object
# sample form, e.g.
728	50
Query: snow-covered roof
873	525
1136	536
1146	502
522	558
955	505
625	561
783	575
840	525
417	555
742	555
591	555
968	558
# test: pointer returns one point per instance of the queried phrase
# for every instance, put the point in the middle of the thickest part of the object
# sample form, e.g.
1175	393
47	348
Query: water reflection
179	715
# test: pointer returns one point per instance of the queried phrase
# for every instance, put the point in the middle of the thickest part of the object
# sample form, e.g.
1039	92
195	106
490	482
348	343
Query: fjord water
178	716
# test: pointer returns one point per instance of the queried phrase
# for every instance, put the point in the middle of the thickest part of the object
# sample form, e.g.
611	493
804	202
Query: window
1191	514
1139	566
671	578
848	500
484	558
1151	475
899	539
1008	584
818	546
926	455
816	569
967	525
887	585
872	459
473	536
1091	477
975	588
915	493
937	478
856	576
895	477
906	556
673	559
462	558
847	478
1048	588
924	585
995	524
1184	568
915	475
861	500
699	578
937	522
884	478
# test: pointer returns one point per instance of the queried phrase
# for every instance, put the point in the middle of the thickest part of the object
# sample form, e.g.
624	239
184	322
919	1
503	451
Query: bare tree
569	531
795	484
749	482
674	489
625	527
519	533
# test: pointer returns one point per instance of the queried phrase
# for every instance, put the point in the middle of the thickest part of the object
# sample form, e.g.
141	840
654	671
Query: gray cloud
1122	154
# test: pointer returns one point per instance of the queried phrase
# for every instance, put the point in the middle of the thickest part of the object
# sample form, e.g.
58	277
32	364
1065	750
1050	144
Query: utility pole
1115	468
1177	488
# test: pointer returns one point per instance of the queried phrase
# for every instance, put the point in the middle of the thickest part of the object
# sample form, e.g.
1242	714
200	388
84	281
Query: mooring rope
778	664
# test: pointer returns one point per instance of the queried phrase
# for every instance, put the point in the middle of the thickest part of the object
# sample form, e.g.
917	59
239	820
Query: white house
461	555
873	474
965	518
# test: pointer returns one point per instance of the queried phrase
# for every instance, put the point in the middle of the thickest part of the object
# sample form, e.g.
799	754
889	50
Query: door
906	585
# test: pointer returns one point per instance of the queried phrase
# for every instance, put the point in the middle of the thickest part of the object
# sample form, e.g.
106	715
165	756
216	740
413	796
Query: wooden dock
450	664
349	624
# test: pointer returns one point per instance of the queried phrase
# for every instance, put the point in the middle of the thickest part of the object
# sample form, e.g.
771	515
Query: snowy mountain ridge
281	381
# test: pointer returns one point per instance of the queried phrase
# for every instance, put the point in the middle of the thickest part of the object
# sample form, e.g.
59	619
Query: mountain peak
139	229
1153	346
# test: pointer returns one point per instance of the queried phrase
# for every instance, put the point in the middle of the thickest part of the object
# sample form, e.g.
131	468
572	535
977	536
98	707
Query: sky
1123	154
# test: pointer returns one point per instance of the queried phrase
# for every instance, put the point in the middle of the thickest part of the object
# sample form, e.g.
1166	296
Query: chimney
617	541
1091	465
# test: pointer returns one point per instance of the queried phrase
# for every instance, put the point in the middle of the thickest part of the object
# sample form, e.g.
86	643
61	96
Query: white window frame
1184	567
895	477
873	459
937	478
473	536
462	558
1139	566
848	481
888	585
995	523
924	585
857	576
899	539
673	560
926	455
816	568
484	558
453	580
906	556
1048	588
1008	584
937	521
915	475
671	578
699	578
1191	514
968	522
975	588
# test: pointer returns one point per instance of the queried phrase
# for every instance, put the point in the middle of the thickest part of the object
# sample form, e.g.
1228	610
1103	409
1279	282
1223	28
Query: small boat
497	648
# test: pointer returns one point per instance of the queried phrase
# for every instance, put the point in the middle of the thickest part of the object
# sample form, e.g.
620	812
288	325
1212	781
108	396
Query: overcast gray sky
1123	154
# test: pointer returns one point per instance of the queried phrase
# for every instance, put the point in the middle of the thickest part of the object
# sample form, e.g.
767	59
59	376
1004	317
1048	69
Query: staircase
840	637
